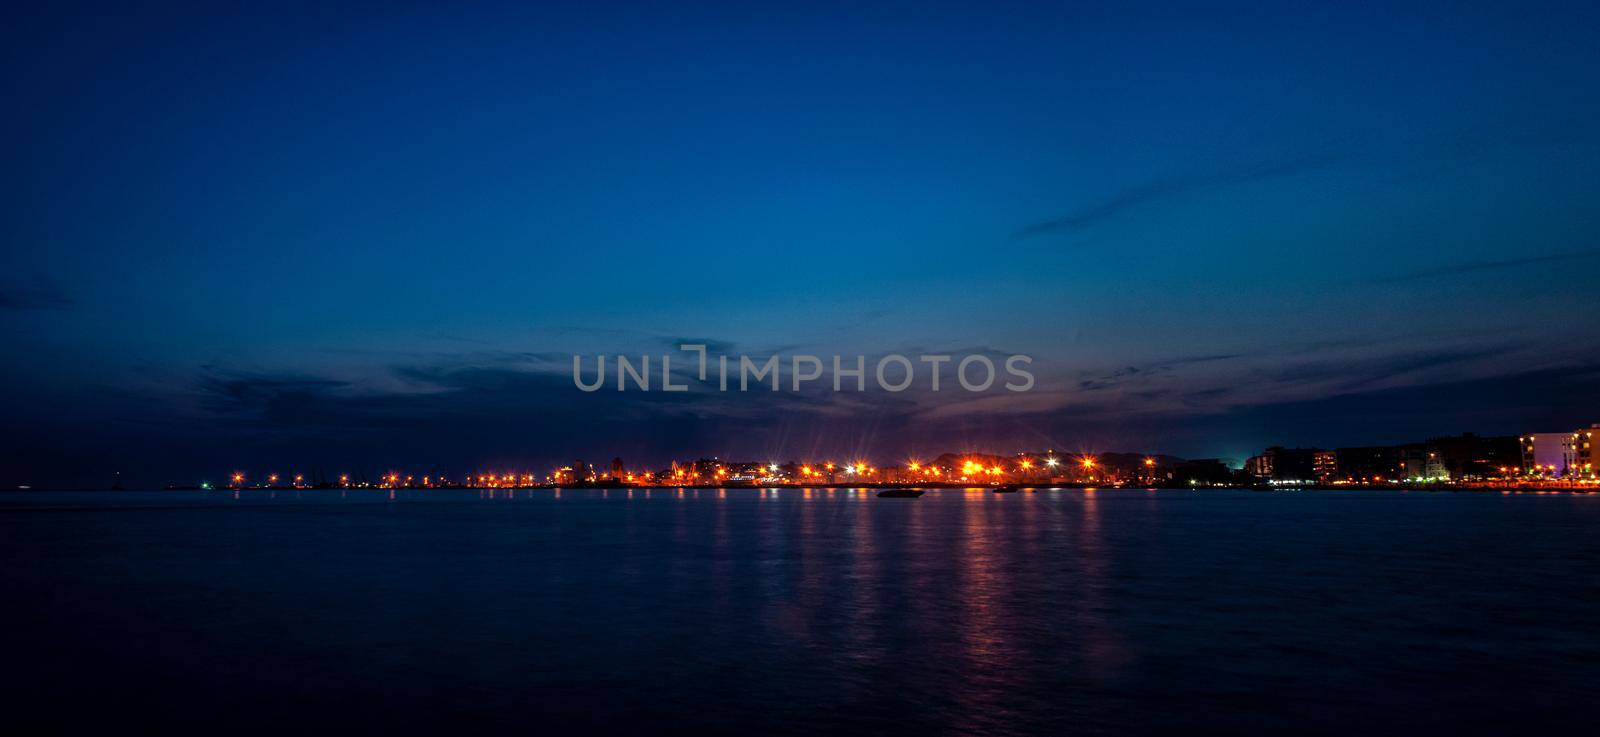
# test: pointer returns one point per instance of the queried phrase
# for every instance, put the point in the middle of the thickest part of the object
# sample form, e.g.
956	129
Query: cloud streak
20	299
1470	267
1158	191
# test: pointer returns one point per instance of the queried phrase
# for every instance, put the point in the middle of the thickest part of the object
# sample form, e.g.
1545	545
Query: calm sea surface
758	612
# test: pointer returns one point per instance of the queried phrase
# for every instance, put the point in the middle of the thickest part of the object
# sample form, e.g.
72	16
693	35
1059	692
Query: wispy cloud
1126	374
1167	189
282	398
1469	267
33	298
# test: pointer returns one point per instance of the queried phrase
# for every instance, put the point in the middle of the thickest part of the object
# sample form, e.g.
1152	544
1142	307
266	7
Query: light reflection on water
737	610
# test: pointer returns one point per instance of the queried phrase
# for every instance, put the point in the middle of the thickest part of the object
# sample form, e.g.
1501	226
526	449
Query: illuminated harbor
1466	461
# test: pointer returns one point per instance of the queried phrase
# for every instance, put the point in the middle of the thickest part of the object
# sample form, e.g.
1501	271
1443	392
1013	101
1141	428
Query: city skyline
1466	458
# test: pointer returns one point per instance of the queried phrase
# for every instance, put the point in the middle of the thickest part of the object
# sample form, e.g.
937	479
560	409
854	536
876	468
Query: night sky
324	241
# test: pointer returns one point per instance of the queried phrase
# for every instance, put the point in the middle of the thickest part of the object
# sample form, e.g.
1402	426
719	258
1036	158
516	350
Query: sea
800	611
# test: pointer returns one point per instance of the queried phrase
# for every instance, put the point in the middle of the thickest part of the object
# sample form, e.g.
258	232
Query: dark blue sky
372	237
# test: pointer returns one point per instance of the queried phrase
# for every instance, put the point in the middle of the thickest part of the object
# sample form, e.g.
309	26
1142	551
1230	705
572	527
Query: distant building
1325	463
1278	464
1414	462
1470	457
1259	467
1544	453
1202	472
616	468
1368	464
1578	452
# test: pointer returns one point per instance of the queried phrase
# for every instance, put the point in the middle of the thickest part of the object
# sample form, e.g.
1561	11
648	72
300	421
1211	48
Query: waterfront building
1367	464
1578	452
1325	463
1433	468
1470	457
1544	453
1259	467
1413	465
1203	472
1284	465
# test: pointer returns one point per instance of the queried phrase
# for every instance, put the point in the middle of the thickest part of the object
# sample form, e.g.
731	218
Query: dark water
754	612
